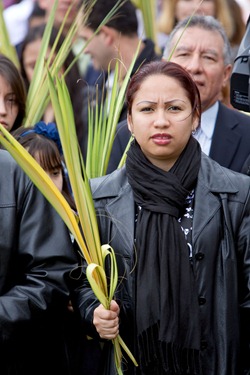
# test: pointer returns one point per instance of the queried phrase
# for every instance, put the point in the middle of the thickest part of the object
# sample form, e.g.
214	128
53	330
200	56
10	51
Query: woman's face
161	119
184	8
8	104
55	174
57	177
30	56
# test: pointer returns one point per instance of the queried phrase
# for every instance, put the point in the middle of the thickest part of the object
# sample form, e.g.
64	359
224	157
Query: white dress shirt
205	132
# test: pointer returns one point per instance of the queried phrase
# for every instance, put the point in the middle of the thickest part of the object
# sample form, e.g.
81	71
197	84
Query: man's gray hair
204	22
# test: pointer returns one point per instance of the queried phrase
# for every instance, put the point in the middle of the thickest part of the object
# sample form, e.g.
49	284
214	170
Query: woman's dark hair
72	77
49	155
10	73
168	69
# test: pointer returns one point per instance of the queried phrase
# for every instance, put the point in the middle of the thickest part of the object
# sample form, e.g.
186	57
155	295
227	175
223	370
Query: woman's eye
55	172
146	109
174	108
11	100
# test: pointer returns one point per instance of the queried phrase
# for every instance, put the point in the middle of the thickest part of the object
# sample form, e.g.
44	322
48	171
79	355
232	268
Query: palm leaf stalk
38	98
65	122
85	207
148	10
85	10
6	48
124	156
184	29
103	122
43	182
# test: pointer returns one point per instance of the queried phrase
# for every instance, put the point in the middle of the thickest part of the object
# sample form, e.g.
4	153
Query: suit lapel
225	140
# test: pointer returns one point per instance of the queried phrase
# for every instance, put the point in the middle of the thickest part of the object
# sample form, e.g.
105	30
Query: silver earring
194	131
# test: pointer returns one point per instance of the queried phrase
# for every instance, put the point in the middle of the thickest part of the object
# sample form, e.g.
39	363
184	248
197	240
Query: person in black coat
38	265
178	223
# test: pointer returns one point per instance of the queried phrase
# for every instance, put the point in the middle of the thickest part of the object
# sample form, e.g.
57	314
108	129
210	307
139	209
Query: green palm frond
47	86
85	207
103	122
148	10
44	183
183	31
38	97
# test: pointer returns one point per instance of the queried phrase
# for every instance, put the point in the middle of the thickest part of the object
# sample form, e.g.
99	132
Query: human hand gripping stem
106	315
106	321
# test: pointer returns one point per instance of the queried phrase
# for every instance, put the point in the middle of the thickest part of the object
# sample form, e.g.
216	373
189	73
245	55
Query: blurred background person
245	9
16	18
12	95
29	53
227	12
62	8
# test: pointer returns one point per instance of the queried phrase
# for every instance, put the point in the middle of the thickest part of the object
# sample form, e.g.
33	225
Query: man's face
99	48
200	52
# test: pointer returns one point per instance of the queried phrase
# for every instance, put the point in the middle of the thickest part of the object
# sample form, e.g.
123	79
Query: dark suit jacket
231	139
230	142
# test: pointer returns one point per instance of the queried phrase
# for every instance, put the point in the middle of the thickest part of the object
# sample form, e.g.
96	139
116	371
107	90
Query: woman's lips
161	138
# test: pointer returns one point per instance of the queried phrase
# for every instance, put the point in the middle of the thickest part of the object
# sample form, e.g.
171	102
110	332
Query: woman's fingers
107	321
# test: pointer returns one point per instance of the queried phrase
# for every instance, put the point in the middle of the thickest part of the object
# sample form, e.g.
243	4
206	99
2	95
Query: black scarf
167	313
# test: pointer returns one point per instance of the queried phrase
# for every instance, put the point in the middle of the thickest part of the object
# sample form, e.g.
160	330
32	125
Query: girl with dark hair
12	95
179	225
43	143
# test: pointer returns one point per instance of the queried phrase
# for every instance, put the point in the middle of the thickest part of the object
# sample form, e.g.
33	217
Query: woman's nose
161	119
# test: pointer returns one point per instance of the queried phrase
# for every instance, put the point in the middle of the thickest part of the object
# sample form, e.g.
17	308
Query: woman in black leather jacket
180	227
37	264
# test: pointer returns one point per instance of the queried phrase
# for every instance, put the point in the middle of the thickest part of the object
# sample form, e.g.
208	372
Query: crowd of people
177	213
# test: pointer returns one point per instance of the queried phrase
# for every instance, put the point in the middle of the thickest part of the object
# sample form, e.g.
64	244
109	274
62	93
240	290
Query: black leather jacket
221	256
36	258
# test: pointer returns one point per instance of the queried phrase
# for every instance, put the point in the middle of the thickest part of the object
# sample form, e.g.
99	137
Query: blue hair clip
47	130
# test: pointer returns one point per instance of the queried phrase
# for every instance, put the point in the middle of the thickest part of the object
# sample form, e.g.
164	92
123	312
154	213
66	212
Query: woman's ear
196	121
130	124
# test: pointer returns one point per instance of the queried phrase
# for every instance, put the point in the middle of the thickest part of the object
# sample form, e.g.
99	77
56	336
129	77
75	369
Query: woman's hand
107	321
